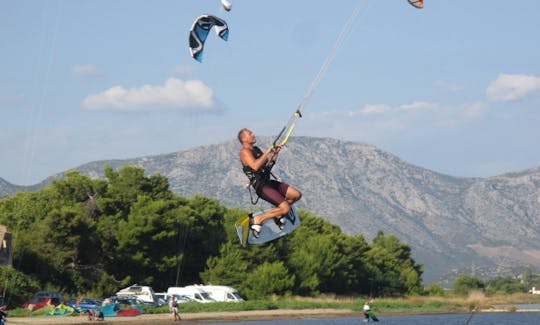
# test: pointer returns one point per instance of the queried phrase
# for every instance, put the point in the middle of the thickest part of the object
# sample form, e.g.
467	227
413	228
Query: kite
226	5
417	3
199	31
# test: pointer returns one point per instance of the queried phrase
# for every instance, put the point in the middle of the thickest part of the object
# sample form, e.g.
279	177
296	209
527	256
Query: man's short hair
241	134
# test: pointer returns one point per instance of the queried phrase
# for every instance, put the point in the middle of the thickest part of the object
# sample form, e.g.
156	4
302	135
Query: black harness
258	178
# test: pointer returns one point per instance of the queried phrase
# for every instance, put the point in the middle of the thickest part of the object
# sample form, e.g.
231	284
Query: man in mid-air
257	166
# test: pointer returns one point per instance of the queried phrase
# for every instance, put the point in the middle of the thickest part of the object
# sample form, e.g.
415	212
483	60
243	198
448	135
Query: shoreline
207	317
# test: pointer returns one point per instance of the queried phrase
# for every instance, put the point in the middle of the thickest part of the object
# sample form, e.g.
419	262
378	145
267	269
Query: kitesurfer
257	166
368	313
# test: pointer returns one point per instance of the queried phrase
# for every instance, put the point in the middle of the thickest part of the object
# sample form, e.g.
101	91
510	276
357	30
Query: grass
407	305
410	305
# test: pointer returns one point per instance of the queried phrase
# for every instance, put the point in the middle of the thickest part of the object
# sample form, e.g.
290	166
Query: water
530	318
525	307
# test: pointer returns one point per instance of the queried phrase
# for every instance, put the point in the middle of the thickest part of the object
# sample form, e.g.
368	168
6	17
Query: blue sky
454	87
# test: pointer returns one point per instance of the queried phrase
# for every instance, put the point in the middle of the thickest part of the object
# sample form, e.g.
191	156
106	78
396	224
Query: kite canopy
226	5
199	31
60	310
417	3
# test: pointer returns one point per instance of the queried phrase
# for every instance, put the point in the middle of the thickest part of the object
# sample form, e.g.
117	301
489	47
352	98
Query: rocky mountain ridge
450	222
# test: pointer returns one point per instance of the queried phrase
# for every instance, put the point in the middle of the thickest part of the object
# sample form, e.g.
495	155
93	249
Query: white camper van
144	293
222	293
194	292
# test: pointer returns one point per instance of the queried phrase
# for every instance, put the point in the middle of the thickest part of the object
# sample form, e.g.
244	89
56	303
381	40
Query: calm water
447	319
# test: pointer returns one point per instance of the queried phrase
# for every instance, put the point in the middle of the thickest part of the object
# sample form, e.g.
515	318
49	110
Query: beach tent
110	310
114	310
130	311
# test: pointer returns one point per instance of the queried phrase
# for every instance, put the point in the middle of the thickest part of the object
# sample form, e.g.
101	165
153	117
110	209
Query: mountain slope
450	222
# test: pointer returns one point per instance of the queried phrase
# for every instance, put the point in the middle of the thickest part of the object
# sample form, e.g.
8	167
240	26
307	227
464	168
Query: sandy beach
191	318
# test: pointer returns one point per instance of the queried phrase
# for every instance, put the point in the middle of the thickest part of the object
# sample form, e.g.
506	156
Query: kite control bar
288	128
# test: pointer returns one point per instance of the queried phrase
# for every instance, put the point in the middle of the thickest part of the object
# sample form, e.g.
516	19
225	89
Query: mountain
451	223
6	188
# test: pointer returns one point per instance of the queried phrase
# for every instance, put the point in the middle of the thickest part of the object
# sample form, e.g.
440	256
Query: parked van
222	293
143	293
193	292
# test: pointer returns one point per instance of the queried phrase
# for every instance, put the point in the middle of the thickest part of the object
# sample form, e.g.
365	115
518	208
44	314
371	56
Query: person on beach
100	316
90	313
3	314
173	308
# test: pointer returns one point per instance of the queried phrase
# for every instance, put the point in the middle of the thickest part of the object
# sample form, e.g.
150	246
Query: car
132	301
53	294
41	301
193	292
163	298
84	304
183	298
222	293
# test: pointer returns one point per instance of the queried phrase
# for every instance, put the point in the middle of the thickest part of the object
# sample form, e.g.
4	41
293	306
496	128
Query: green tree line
94	236
464	284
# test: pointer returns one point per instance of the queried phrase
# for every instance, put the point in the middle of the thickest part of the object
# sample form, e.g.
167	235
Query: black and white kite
199	32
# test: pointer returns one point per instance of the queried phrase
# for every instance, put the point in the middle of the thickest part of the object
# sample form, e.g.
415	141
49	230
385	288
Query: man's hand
275	152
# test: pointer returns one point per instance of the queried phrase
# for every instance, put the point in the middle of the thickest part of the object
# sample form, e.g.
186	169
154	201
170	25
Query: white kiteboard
269	229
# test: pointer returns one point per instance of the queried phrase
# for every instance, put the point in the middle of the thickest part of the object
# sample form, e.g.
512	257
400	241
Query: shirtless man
257	165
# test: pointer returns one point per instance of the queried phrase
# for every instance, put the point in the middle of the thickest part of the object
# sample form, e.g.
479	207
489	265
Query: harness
257	178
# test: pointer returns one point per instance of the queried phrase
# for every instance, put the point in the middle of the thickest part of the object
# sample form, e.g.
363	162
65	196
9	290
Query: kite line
287	130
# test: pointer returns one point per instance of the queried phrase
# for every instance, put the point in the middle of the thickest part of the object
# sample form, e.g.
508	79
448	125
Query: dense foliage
464	284
95	236
467	283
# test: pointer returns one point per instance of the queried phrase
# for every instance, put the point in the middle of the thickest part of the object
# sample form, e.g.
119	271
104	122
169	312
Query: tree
229	268
505	285
22	210
393	271
204	237
526	276
68	239
268	279
148	244
82	235
412	281
318	259
384	273
434	290
466	283
355	249
17	286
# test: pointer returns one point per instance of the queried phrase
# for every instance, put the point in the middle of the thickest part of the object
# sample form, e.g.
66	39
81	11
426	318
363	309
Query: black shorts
273	192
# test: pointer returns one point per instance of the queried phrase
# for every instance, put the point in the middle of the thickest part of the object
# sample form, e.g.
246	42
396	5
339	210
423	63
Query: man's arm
247	158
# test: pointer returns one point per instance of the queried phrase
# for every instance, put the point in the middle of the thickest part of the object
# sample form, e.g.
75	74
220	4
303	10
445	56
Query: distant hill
6	188
489	224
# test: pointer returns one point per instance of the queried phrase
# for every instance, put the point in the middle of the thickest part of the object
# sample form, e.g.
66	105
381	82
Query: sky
453	87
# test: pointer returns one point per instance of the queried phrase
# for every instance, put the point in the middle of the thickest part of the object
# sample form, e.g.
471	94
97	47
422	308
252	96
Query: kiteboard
269	229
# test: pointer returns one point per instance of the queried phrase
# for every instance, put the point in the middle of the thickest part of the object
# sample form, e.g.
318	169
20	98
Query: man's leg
278	211
292	195
281	195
